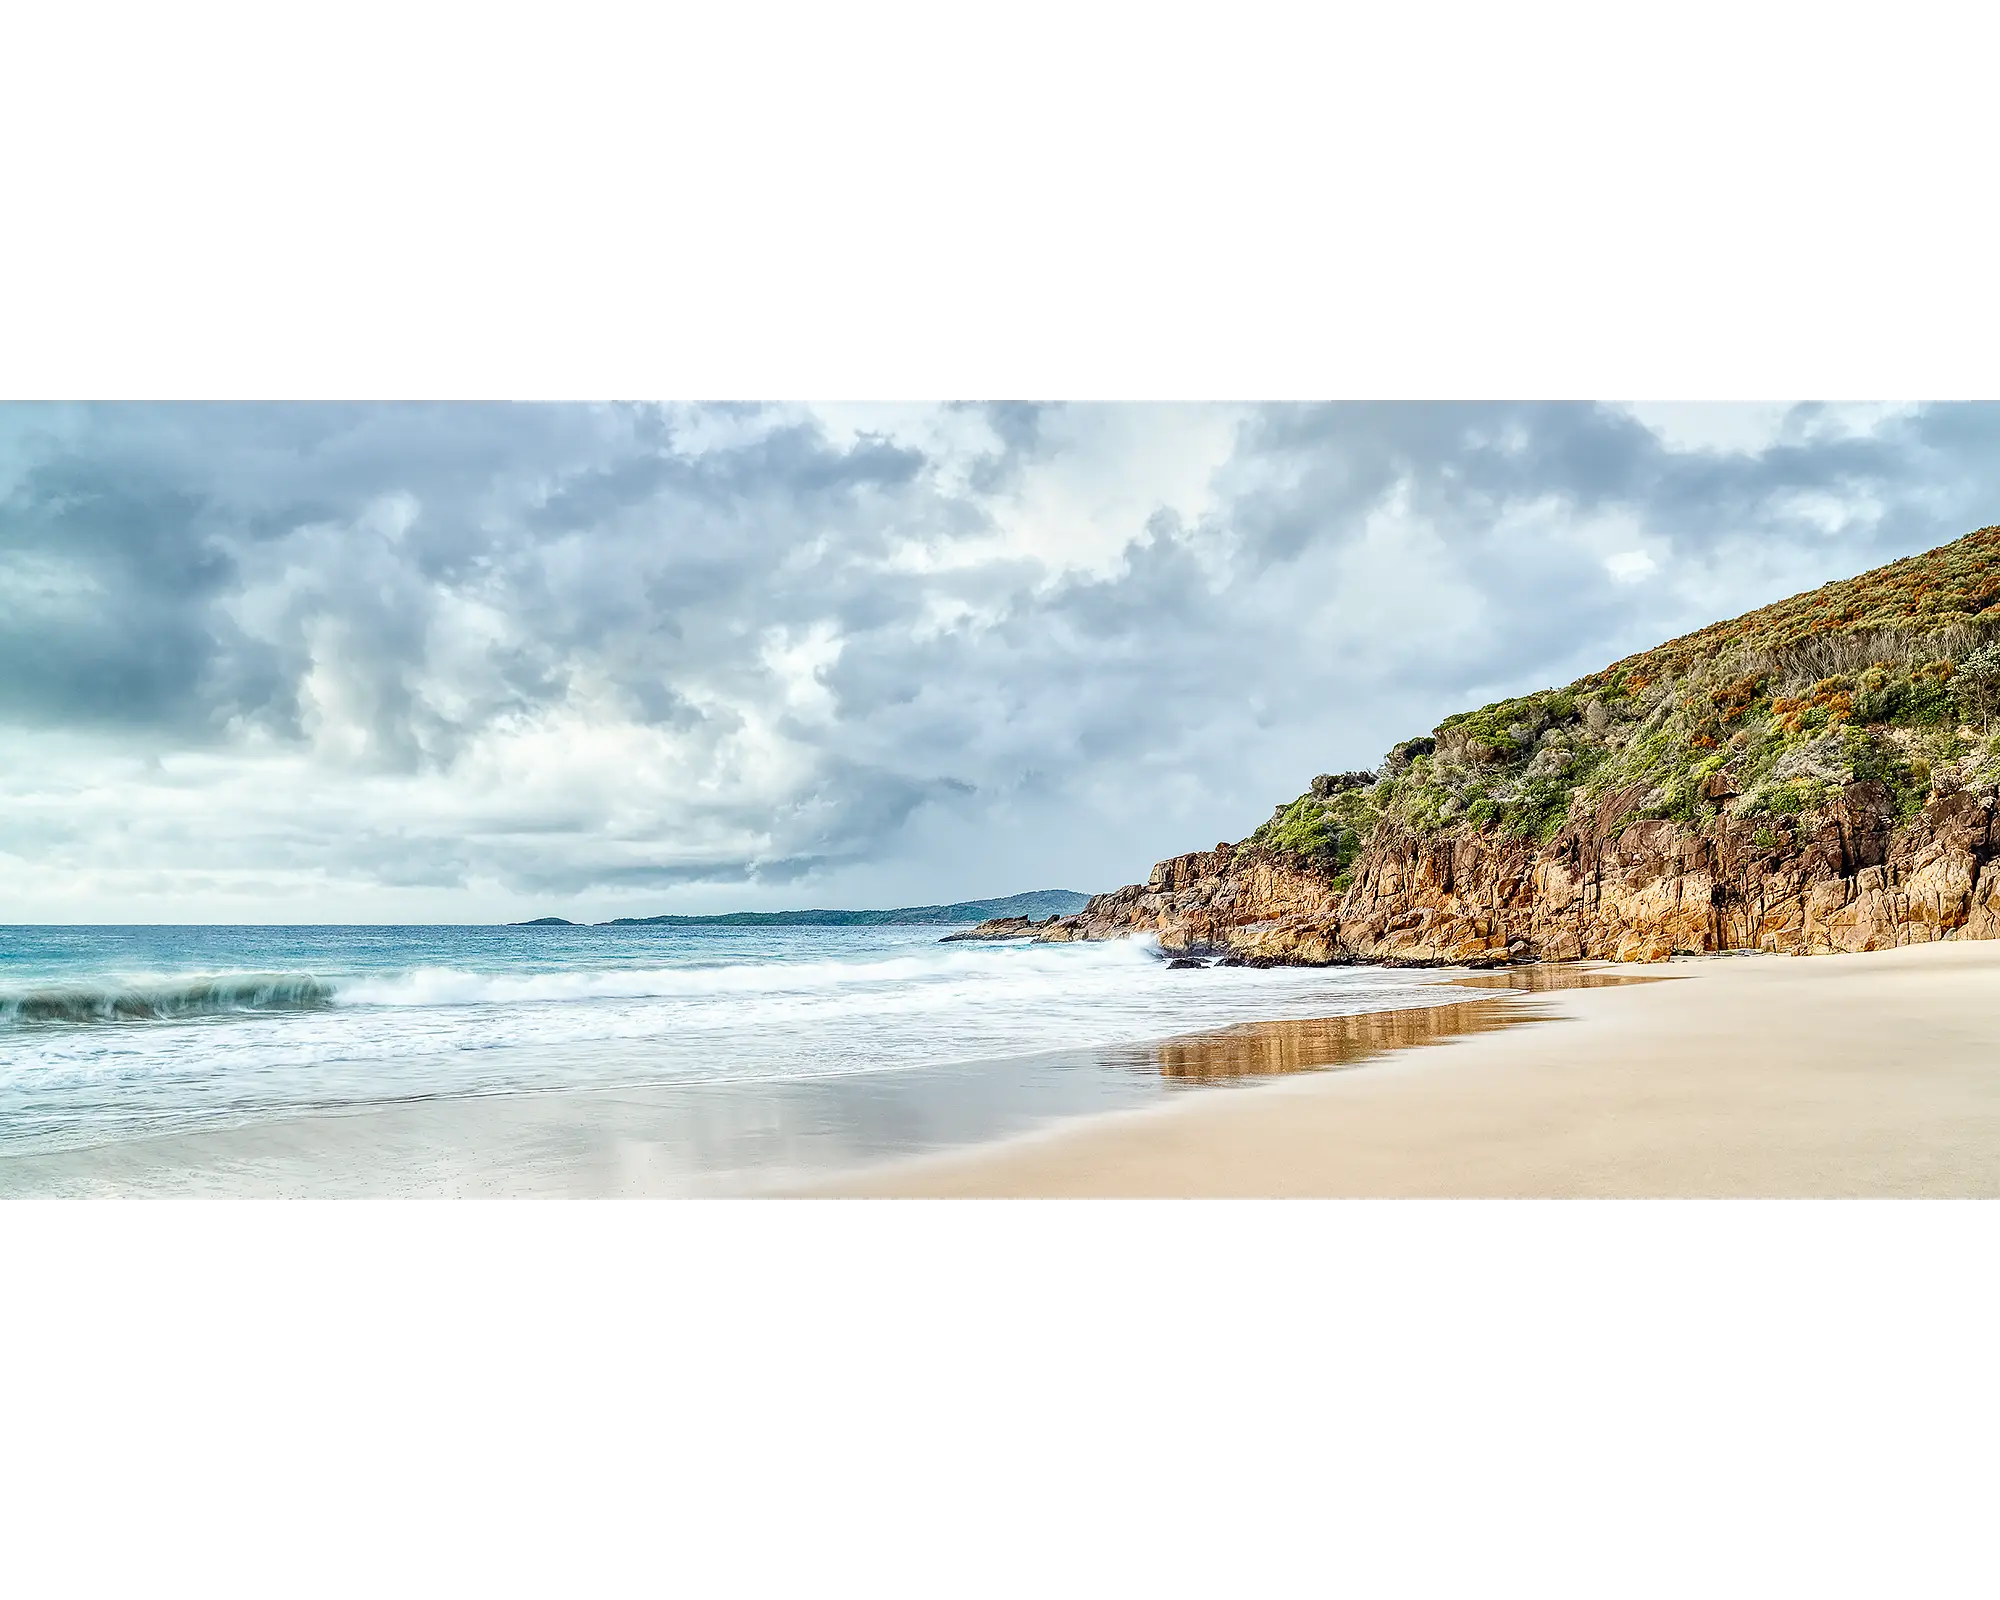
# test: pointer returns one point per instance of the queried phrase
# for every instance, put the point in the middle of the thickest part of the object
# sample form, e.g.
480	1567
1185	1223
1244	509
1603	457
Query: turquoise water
119	1034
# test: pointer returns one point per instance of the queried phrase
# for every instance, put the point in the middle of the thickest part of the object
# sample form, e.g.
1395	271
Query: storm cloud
281	662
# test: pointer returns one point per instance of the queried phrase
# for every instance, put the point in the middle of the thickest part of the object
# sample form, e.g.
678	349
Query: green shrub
1879	697
1927	700
1789	799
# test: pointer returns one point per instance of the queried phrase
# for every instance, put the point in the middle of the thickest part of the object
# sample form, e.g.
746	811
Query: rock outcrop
1604	888
1230	900
1002	928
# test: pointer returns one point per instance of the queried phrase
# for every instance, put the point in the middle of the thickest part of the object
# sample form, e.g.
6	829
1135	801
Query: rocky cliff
1852	878
1815	776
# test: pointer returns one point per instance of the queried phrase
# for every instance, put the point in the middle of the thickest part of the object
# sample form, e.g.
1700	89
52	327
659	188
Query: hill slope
1818	774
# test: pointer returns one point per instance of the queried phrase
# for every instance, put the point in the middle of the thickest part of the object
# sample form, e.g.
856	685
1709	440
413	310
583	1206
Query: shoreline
1739	1074
1873	1074
728	1137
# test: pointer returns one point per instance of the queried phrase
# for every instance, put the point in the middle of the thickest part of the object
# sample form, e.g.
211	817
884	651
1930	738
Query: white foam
630	1018
1019	965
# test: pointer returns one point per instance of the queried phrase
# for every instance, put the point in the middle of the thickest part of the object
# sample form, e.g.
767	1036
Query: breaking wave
182	998
167	1000
448	986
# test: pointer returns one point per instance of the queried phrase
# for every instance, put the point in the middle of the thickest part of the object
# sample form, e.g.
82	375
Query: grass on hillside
1890	677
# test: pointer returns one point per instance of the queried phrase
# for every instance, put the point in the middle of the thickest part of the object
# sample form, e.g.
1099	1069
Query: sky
479	662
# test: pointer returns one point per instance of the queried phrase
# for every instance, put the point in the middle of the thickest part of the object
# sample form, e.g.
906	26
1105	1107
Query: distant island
1038	903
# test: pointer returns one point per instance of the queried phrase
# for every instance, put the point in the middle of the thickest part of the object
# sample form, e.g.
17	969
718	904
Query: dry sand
1874	1074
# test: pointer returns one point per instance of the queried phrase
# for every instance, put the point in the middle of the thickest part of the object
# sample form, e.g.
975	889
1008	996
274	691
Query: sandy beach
1854	1075
1862	1075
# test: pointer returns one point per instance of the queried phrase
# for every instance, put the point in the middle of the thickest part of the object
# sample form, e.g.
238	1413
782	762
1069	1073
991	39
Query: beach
1875	1074
1736	1075
614	1061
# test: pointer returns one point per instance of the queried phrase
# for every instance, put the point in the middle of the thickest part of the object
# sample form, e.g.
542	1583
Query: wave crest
1022	972
450	986
180	997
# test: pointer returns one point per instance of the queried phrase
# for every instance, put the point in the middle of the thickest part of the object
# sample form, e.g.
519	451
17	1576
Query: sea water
117	1034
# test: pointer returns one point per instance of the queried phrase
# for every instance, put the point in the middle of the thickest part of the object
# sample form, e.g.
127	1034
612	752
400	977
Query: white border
888	201
893	201
922	1399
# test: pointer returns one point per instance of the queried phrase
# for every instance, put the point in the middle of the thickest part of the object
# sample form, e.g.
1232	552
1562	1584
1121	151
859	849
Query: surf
113	1000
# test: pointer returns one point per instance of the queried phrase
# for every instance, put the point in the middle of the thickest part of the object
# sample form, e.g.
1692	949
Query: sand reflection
1319	1044
1557	975
1269	1049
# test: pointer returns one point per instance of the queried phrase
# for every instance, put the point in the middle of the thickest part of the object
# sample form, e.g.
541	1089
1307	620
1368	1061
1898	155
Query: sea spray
1024	966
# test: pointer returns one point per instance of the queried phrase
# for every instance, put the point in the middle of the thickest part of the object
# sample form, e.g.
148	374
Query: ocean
139	1058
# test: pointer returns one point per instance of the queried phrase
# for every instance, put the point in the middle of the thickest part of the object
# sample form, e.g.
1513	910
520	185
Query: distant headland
1037	903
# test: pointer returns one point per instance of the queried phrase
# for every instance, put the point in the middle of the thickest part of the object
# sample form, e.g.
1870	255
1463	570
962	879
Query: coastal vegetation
1888	678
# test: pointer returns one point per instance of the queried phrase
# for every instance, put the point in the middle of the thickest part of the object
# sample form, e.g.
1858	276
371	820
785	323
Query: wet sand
1855	1075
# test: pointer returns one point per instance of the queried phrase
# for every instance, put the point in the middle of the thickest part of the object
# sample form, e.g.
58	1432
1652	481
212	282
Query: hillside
1816	774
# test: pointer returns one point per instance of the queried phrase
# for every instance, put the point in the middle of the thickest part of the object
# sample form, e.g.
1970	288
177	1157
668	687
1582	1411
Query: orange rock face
1848	877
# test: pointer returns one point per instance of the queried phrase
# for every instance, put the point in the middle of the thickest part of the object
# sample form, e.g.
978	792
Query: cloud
1630	566
288	660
